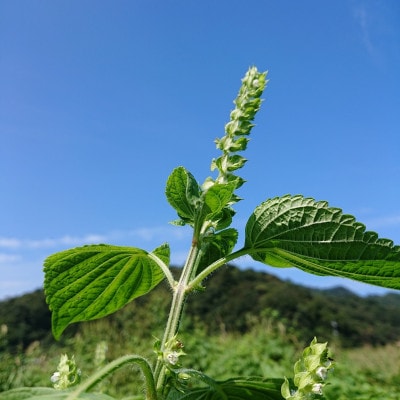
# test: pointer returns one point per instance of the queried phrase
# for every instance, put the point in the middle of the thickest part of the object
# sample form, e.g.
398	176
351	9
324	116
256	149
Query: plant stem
178	301
151	393
214	266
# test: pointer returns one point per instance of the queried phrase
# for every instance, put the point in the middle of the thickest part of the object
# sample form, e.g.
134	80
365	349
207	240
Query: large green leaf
294	231
183	192
93	281
254	388
44	393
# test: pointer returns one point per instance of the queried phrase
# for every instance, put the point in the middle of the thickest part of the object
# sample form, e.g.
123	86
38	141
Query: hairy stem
151	393
178	301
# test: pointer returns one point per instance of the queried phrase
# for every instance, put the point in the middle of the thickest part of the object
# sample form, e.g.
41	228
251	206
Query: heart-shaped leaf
90	282
294	231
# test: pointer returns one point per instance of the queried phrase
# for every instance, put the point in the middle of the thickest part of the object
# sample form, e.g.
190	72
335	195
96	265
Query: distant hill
388	300
233	300
336	291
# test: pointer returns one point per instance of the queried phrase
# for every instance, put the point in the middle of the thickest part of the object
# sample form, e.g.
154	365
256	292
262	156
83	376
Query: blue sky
100	100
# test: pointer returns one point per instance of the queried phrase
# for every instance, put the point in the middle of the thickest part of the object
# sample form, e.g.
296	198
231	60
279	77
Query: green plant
93	281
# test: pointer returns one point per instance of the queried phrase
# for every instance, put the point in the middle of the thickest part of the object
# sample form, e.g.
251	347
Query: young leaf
93	281
216	207
293	231
218	245
218	196
183	192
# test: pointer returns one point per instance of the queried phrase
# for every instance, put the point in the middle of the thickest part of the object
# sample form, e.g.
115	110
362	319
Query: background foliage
259	333
335	314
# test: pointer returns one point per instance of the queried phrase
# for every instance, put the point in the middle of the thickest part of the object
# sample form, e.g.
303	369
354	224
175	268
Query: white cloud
363	19
10	243
377	25
144	234
8	258
13	243
161	233
66	240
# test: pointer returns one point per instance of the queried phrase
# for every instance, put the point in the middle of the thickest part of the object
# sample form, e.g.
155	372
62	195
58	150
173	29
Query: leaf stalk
164	268
196	282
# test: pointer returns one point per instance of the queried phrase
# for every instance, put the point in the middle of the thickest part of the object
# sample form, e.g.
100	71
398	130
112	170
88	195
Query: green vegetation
260	334
94	281
268	346
335	315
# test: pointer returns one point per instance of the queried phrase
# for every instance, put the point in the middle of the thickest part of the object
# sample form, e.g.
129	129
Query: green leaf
230	163
254	388
183	193
224	218
294	231
285	389
44	393
216	207
218	245
218	196
163	252
93	281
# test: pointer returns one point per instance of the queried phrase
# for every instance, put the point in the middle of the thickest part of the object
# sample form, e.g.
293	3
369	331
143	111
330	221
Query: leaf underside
236	388
294	231
90	282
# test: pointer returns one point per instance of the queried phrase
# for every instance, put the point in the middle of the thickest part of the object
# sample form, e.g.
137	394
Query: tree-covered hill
328	314
247	298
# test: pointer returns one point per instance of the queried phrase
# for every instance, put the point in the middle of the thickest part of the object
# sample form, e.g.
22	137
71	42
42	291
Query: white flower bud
55	377
173	357
317	388
322	372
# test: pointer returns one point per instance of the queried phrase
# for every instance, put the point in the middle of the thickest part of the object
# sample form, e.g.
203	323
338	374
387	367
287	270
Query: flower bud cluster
311	372
247	104
172	352
67	374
